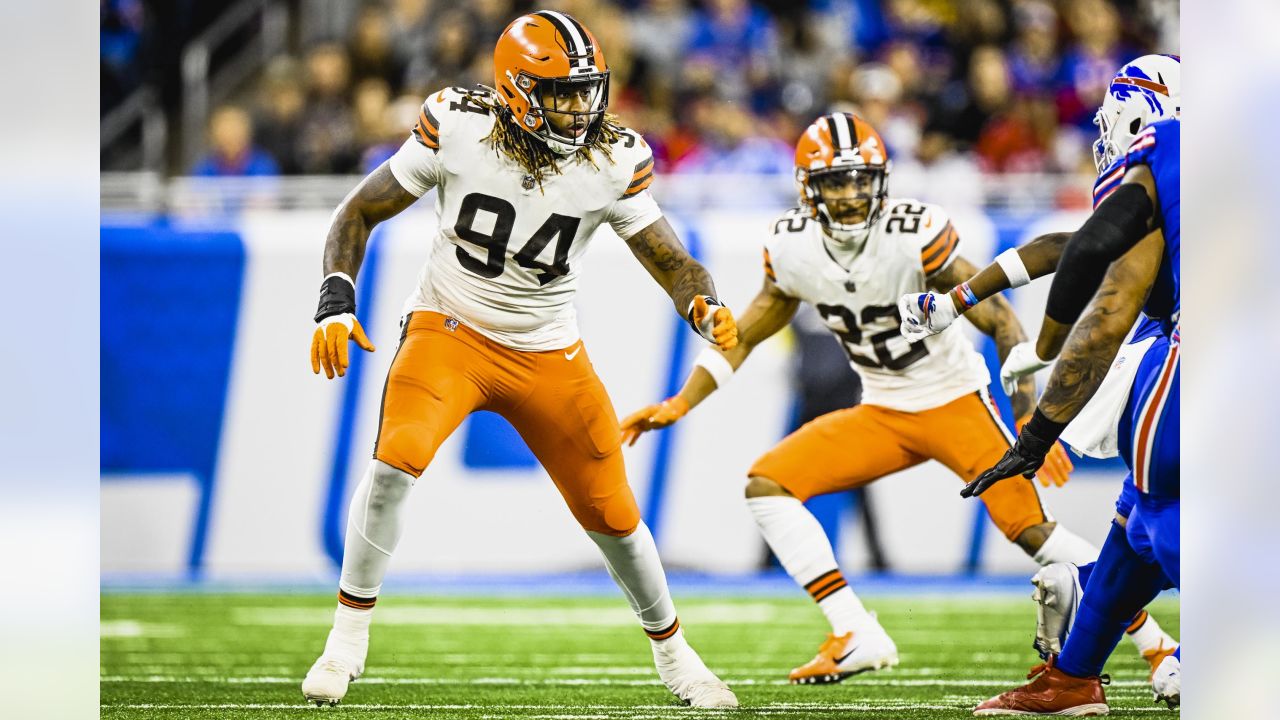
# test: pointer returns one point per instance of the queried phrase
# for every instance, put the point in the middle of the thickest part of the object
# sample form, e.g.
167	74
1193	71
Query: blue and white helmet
1144	91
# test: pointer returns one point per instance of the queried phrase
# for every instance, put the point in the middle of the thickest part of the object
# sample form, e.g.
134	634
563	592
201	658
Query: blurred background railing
152	192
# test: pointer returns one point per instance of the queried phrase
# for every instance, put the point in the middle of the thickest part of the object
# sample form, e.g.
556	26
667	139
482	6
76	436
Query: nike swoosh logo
572	355
843	657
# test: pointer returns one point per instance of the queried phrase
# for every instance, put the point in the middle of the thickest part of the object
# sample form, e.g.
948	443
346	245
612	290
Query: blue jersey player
1128	253
1143	91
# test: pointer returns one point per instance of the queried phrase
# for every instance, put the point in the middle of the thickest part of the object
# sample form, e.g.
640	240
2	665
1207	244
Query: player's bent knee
616	515
407	449
389	485
615	521
758	486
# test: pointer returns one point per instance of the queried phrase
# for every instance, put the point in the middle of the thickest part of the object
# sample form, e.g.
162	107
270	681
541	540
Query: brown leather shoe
1052	692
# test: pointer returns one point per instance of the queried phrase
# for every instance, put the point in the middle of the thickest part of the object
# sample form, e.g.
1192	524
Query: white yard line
598	711
865	682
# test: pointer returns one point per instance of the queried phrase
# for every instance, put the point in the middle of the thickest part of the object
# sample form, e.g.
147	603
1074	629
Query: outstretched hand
653	417
1024	458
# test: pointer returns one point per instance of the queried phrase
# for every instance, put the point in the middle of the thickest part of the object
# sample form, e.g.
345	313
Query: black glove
1024	458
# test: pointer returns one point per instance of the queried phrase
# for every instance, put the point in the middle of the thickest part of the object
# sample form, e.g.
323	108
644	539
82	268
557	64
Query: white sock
1062	545
349	638
795	536
634	564
1149	636
373	530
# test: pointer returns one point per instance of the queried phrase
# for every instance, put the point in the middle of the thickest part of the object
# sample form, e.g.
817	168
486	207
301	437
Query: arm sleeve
630	214
416	167
1119	223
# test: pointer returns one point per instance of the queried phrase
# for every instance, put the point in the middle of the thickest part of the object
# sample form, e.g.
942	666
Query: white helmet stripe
568	28
844	132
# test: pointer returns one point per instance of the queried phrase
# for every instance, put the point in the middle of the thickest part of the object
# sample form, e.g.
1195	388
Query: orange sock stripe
1138	621
820	580
353	601
664	634
819	597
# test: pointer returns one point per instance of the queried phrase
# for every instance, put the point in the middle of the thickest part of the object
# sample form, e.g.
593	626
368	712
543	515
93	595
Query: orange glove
329	343
653	417
1057	464
714	322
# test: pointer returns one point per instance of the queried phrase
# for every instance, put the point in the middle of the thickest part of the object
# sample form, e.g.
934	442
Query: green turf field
243	656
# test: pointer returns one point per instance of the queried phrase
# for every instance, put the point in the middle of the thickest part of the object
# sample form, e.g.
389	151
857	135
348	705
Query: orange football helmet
547	62
835	151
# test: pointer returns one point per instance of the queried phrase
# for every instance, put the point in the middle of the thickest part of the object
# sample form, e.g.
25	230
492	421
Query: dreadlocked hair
529	151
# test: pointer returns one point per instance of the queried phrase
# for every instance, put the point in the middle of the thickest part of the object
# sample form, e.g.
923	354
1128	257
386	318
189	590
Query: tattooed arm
995	319
1093	343
378	197
660	252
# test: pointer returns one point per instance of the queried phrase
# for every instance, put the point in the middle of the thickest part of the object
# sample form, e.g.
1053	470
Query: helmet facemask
847	200
566	112
1113	135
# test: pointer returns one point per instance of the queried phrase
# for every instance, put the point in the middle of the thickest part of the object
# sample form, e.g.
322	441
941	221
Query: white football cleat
1167	682
687	677
1057	594
849	654
327	680
342	660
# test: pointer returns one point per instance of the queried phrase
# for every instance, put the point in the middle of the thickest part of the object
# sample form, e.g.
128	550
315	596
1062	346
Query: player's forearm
701	382
1039	257
697	387
345	244
689	282
1084	362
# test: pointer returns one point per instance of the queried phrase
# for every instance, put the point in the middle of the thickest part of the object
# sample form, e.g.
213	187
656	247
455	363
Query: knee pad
617	515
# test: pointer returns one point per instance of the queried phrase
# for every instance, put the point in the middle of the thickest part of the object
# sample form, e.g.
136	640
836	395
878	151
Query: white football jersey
506	258
856	293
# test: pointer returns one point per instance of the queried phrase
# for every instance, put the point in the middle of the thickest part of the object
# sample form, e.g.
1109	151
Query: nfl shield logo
450	324
527	182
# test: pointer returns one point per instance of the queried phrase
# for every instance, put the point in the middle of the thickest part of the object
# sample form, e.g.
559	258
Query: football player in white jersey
851	251
524	174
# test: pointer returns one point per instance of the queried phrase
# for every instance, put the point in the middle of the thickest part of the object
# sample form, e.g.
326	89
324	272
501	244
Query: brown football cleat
1051	692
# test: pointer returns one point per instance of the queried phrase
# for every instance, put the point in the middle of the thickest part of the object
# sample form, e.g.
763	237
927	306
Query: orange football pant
850	448
443	371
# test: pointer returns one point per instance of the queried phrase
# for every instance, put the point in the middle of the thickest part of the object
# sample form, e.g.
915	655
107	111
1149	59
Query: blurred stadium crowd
716	86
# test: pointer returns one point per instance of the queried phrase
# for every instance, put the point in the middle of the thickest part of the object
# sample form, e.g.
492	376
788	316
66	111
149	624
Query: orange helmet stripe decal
1144	84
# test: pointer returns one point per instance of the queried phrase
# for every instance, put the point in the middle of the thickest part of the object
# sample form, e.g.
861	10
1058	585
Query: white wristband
342	275
715	364
1011	263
